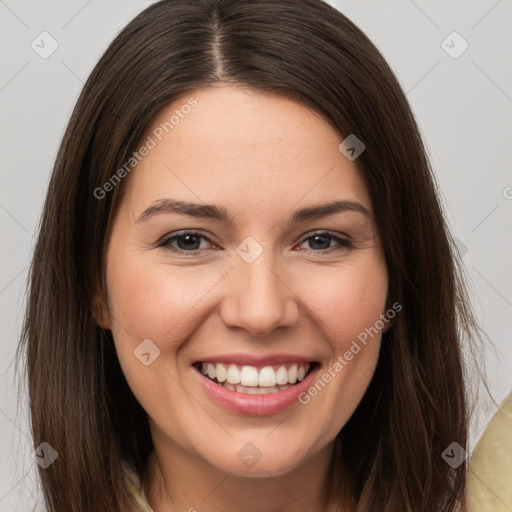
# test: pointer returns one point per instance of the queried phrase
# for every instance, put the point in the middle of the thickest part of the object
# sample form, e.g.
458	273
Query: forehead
246	147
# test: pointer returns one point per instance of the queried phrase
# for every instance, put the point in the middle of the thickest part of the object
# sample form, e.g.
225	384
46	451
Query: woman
253	362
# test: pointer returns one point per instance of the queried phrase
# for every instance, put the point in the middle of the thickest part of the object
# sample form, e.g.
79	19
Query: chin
259	459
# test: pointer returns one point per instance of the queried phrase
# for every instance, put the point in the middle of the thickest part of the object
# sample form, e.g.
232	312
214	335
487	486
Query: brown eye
189	241
322	241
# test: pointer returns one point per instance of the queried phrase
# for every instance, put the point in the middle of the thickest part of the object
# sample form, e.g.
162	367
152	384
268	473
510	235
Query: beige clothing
490	469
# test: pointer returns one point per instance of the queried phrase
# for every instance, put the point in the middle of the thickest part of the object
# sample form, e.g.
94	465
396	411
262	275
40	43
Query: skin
260	156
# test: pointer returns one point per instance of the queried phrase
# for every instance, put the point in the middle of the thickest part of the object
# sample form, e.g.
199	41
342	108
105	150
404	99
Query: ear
390	320
100	312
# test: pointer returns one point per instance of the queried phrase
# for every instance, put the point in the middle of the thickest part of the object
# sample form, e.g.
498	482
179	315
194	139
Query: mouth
256	380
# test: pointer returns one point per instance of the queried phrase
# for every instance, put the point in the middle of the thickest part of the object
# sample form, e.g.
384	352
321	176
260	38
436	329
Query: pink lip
255	405
250	360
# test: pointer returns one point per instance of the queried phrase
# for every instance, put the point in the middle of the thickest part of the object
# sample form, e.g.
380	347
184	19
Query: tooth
249	380
211	371
249	376
233	375
221	372
292	374
255	390
267	377
204	369
281	376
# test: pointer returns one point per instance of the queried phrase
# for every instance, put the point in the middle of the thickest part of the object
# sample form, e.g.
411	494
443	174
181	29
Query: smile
251	386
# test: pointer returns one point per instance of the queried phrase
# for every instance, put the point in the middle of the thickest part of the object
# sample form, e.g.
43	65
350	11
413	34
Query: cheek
348	307
151	302
349	300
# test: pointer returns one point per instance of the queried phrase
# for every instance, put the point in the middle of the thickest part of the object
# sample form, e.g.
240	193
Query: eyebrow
210	211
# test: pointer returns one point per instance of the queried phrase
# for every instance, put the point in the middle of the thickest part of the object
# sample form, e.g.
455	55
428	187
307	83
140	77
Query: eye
187	241
320	241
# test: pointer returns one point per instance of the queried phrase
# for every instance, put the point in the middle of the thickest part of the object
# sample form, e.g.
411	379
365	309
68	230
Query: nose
258	299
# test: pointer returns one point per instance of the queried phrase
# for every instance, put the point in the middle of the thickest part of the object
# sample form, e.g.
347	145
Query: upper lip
251	360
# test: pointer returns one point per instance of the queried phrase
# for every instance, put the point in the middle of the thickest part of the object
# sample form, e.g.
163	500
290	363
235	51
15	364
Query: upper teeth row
251	376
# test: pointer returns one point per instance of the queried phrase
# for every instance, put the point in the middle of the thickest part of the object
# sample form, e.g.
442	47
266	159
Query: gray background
462	105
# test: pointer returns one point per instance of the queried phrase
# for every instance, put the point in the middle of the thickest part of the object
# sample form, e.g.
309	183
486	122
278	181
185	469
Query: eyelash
166	242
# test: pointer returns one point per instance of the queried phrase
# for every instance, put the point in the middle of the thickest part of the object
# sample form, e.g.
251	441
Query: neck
175	480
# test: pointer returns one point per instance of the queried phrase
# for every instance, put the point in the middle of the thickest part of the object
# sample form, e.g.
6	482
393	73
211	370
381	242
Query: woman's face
242	284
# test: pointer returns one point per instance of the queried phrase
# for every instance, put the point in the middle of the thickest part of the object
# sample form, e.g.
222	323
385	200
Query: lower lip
255	405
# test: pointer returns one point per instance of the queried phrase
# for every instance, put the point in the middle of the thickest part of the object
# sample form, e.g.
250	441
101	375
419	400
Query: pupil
316	237
187	237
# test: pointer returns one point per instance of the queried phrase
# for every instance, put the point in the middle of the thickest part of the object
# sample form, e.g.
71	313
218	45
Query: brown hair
388	455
